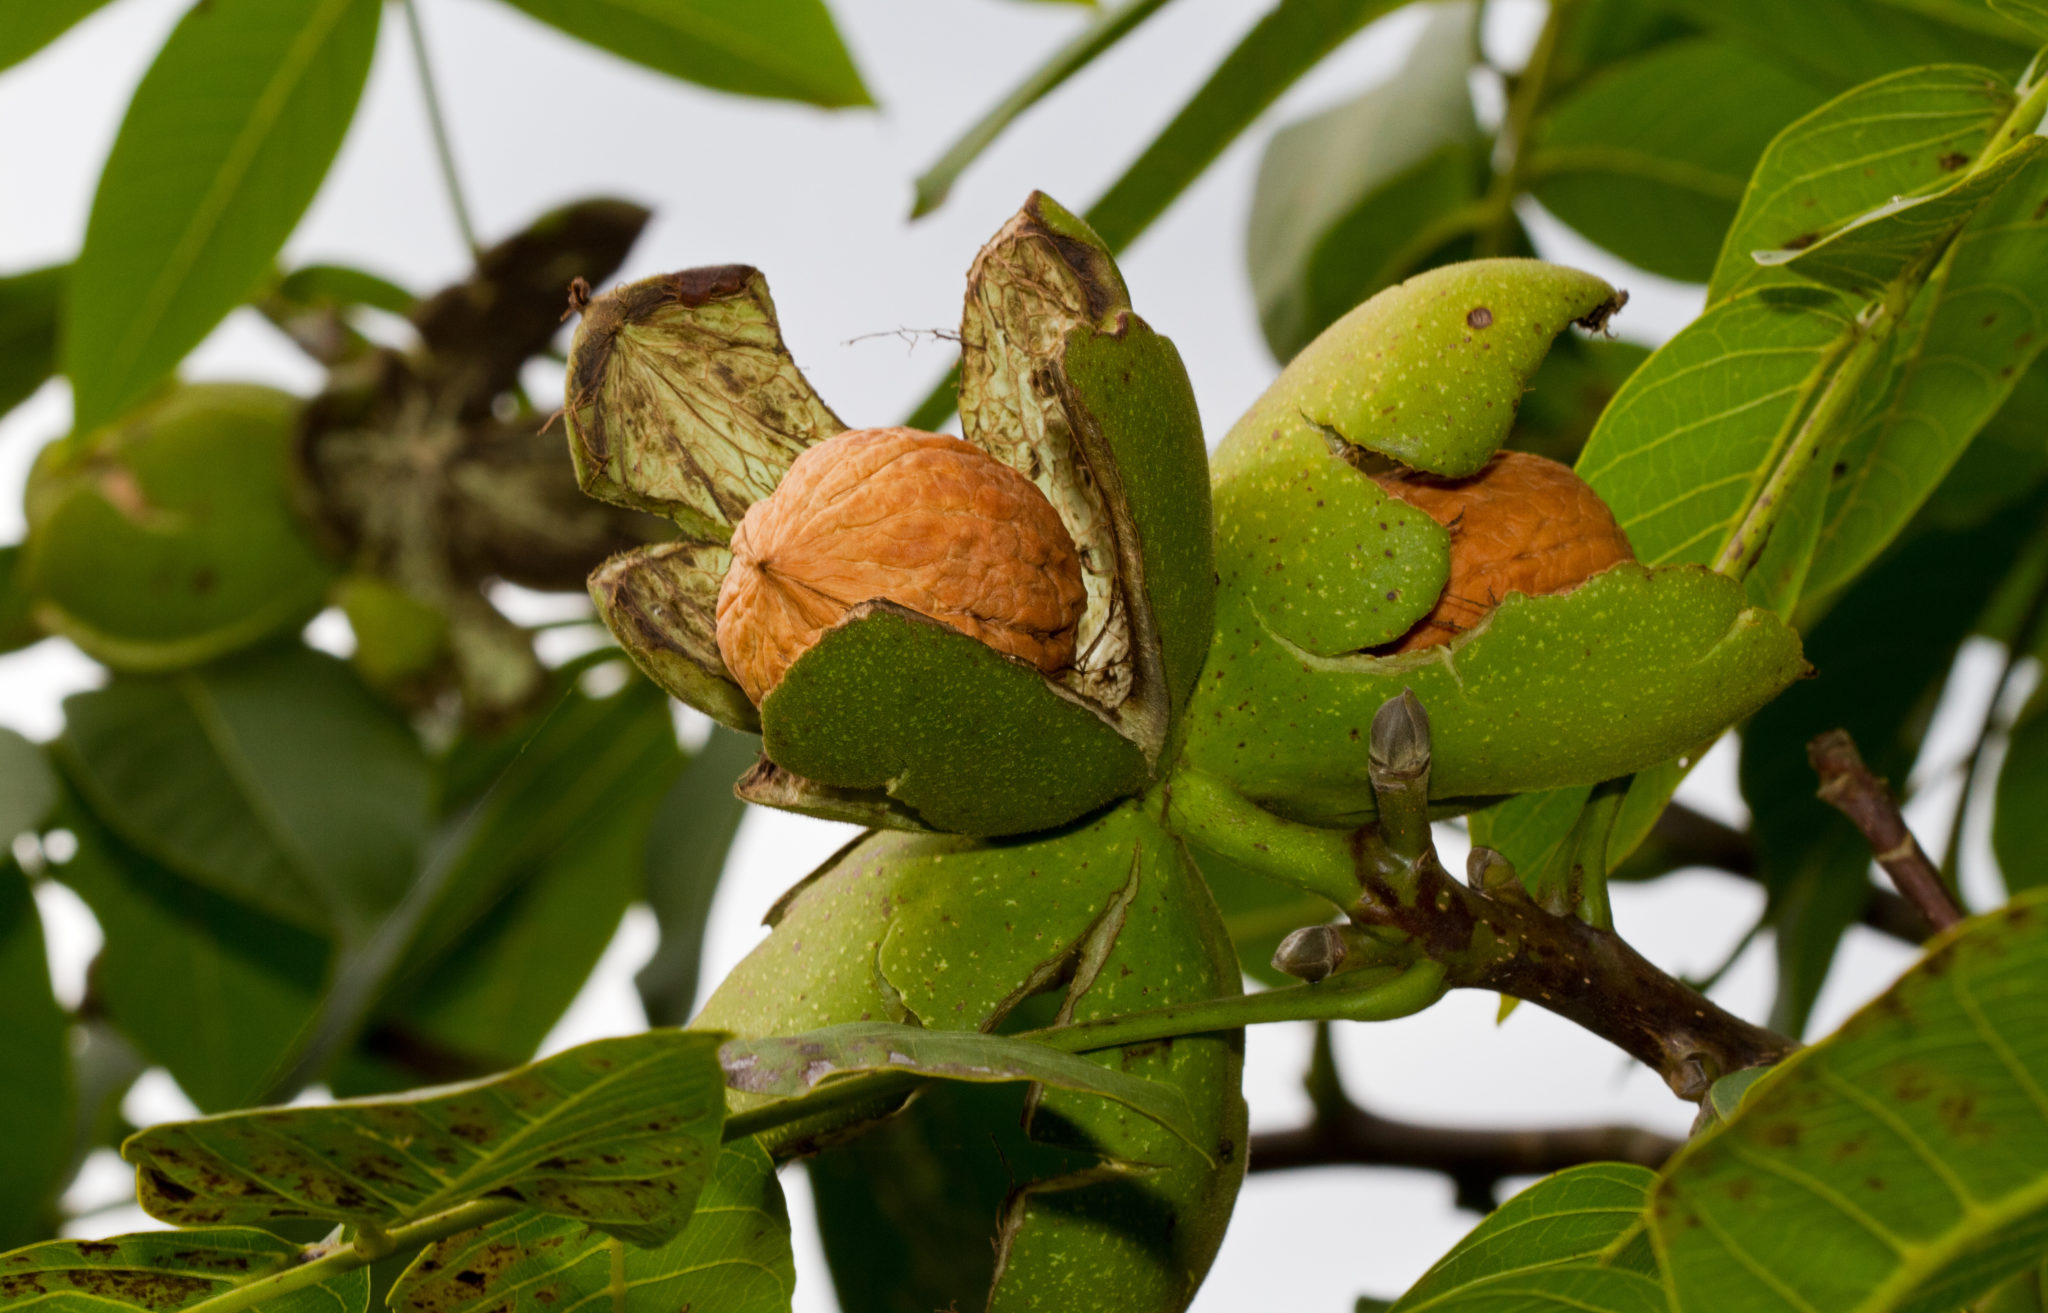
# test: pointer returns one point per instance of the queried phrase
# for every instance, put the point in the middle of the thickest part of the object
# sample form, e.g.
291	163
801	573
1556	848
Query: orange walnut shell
1522	524
923	520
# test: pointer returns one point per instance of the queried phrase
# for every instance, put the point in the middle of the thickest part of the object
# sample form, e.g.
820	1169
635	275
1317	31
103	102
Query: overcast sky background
818	201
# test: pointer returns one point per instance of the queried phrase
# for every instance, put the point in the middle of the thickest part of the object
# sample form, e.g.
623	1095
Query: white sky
818	200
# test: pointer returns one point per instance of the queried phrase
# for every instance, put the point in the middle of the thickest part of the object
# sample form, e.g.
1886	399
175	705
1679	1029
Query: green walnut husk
169	537
1319	566
1110	1210
684	400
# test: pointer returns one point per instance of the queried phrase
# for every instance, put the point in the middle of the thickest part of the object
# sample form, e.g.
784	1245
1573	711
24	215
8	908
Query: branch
1342	1133
1682	837
1847	785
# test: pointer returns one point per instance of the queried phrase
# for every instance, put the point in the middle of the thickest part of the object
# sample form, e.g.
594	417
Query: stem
1847	785
314	1271
1510	153
1211	815
444	153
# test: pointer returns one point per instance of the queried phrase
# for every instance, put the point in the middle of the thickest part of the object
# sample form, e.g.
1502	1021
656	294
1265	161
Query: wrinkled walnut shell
923	520
1522	524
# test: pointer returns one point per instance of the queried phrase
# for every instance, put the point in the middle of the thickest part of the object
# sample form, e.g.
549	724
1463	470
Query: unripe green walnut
927	521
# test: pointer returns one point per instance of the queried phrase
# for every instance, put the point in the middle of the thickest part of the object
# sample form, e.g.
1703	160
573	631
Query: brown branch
1343	1134
1847	785
1682	837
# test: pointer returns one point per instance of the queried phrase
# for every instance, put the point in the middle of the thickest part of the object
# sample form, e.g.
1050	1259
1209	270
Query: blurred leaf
18	628
1290	39
618	1134
33	24
1358	197
1572	1217
35	1052
1258	913
1108	27
1963	352
1897	136
1841	43
1593	34
794	1065
733	1258
1878	679
1569	393
1677	451
28	331
338	285
686	848
163	1271
1649	158
1907	1148
311	306
204	986
28	789
274	778
788	49
2019	824
2030	14
223	146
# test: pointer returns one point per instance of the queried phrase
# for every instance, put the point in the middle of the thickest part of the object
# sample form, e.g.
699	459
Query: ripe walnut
926	521
1522	524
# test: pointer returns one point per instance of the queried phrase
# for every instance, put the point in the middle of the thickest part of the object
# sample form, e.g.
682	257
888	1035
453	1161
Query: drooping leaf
1899	135
28	329
1961	357
787	49
28	789
164	1271
1910	1147
1291	38
733	1258
1649	158
1360	196
1573	1217
686	846
620	1134
35	1054
274	778
247	984
223	146
1105	30
794	1065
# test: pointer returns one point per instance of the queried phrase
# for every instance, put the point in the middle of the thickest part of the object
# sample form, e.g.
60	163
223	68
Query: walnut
923	520
1522	524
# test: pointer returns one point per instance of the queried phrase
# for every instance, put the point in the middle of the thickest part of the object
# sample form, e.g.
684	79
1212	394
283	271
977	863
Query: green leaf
33	24
686	848
18	628
787	49
1910	1147
2030	14
1875	677
1649	158
28	789
1570	391
1258	913
1688	437
247	985
222	149
2019	825
1568	1288
164	1271
619	1134
1572	1217
733	1258
1872	250
1962	354
28	331
794	1065
1841	43
549	862
35	1052
1360	196
341	285
1901	135
1290	39
1108	27
273	778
